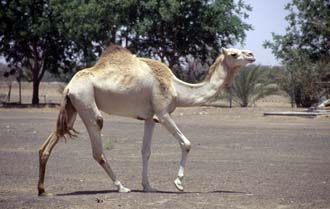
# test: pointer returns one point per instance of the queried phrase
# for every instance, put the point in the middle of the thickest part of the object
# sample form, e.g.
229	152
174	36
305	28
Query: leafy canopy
305	48
57	36
172	30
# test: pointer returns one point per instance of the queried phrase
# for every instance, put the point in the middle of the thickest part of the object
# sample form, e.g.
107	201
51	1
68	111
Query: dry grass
48	92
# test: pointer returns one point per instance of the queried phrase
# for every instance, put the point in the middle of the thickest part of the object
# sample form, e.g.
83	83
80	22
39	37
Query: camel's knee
41	151
186	146
146	153
99	121
99	158
92	118
43	156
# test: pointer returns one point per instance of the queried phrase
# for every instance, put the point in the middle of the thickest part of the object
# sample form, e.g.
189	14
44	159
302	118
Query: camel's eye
235	55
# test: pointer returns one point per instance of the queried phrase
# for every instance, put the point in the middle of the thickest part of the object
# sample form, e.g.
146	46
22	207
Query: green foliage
48	35
252	84
308	32
85	25
304	48
301	80
28	39
172	30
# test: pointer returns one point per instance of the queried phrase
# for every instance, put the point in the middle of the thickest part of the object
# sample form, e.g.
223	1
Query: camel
122	84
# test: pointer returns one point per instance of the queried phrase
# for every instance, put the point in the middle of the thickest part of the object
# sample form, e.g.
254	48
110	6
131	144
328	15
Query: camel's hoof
124	190
178	184
46	194
149	189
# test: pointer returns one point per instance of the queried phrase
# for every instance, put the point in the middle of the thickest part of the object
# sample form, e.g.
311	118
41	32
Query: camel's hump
114	54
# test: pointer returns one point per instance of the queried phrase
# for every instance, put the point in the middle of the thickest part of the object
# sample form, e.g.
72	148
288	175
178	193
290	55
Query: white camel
122	84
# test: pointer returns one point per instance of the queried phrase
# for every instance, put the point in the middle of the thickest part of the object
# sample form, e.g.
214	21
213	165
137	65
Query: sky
266	17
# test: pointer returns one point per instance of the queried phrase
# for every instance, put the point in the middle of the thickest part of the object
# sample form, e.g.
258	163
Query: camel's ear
223	50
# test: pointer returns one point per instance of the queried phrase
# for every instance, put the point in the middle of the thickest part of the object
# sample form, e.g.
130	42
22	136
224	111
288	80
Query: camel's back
119	66
116	72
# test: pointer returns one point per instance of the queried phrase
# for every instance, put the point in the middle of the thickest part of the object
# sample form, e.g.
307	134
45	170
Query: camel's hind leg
45	151
93	121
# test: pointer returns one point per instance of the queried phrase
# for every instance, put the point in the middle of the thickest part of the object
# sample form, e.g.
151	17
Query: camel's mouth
251	60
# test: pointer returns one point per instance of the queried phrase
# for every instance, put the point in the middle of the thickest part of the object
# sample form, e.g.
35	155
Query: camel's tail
66	118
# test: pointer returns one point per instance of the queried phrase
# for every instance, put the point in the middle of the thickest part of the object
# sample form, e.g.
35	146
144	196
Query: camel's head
235	58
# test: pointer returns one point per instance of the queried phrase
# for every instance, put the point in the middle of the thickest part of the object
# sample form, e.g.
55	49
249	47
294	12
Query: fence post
230	91
292	94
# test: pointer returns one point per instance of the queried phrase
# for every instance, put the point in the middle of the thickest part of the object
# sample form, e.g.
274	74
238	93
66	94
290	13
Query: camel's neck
199	94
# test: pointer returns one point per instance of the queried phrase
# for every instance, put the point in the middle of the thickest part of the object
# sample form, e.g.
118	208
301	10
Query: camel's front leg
146	151
185	145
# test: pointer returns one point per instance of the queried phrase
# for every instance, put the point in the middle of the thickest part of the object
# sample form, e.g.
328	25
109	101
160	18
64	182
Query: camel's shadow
94	192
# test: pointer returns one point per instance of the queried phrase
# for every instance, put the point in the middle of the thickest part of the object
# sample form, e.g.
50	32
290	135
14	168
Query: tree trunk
19	90
35	93
292	94
9	92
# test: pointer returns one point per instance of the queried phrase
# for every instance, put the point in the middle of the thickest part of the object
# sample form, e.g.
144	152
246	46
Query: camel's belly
135	103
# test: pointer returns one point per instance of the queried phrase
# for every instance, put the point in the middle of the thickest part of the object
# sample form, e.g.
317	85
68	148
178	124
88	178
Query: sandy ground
239	159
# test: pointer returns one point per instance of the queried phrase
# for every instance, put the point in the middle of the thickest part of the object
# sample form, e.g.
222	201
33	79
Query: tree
251	84
63	36
304	47
42	35
300	80
88	26
28	38
172	30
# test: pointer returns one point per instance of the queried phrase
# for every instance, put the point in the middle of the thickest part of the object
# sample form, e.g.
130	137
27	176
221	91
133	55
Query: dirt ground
239	159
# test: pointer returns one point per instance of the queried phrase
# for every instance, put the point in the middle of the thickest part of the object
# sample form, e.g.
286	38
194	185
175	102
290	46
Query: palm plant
251	84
